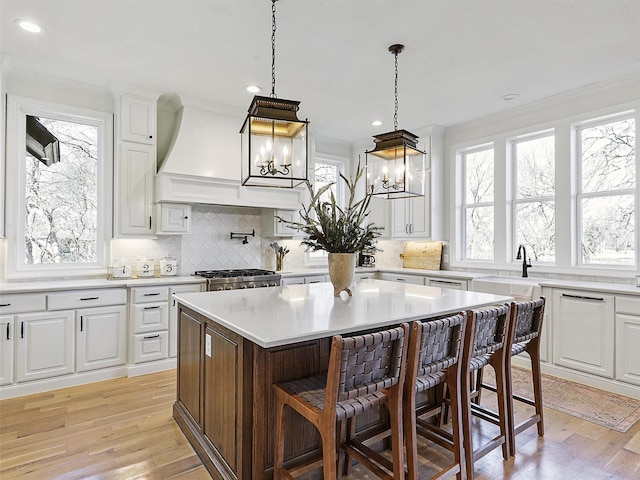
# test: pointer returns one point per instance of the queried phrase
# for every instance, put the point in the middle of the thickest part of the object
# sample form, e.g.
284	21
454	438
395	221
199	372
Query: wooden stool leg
534	353
329	449
501	391
409	414
467	440
279	446
394	404
510	407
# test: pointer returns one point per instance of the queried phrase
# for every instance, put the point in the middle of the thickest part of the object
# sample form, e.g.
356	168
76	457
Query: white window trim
514	201
580	195
341	163
566	262
461	155
17	110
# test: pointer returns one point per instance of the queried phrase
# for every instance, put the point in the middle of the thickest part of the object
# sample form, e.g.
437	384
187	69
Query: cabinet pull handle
149	221
8	331
174	302
81	323
5	304
149	337
21	329
401	279
582	297
151	294
447	282
152	308
89	298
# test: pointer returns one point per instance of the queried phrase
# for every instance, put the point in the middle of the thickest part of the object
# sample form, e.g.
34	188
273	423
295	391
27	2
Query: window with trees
606	195
59	201
327	172
534	206
478	202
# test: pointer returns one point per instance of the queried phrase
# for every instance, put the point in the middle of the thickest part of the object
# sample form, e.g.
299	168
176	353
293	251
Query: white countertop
283	315
50	285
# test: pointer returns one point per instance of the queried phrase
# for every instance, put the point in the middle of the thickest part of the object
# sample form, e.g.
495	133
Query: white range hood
202	160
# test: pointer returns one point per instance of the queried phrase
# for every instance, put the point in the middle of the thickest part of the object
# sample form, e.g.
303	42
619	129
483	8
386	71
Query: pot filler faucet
522	255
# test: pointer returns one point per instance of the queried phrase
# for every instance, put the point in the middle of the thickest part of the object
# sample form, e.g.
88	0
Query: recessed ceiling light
253	88
376	123
29	26
510	96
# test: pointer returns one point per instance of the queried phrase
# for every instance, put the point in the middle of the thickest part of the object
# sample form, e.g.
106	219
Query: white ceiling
461	56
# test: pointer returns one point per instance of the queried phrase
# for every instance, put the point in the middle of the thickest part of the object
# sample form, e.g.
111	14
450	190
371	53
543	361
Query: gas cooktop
235	273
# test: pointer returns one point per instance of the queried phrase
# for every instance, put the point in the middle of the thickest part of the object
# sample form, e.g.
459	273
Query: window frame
513	178
319	258
462	154
580	195
17	110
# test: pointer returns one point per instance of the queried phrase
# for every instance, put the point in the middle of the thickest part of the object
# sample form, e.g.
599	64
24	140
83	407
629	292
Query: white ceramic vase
342	267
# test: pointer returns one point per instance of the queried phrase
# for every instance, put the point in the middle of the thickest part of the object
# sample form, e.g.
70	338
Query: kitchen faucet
522	254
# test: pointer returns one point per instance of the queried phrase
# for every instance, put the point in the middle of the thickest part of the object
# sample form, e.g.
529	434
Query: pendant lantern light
275	144
396	166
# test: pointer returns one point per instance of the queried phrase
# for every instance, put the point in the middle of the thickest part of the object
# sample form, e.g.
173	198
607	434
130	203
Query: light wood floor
123	429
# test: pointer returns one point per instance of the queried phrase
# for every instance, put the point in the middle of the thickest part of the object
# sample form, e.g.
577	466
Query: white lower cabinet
101	337
149	323
149	347
6	349
583	331
400	277
303	279
628	339
44	345
446	283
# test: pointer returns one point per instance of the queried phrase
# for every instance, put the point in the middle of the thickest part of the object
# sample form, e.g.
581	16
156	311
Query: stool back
527	322
435	346
490	329
365	364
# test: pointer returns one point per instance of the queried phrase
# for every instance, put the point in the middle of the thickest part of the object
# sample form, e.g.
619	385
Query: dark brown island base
234	345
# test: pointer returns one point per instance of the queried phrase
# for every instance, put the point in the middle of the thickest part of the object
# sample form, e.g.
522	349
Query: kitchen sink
520	288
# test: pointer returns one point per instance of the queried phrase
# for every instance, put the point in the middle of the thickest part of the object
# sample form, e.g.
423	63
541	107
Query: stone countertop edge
52	285
297	313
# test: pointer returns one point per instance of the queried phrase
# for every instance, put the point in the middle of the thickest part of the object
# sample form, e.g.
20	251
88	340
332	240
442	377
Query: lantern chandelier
396	166
275	144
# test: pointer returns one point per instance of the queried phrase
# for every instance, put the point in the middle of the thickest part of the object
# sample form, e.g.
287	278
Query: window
477	203
327	171
534	197
59	203
606	191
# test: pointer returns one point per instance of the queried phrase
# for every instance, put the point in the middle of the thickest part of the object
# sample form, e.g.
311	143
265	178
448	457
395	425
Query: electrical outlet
207	345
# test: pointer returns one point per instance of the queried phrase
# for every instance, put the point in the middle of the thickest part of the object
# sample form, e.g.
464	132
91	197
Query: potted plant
341	232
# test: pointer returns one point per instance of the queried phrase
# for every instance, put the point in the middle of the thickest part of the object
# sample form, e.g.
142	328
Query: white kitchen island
233	345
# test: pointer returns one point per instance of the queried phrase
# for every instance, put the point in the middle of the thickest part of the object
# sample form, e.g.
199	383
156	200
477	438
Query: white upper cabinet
173	218
135	165
138	119
410	217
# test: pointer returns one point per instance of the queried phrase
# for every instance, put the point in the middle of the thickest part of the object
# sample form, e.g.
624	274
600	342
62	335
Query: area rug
610	410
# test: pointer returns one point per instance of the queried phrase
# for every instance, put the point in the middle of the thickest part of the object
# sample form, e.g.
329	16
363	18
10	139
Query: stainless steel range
235	279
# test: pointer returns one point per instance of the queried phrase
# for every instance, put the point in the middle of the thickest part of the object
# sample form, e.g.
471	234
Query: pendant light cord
273	49
395	113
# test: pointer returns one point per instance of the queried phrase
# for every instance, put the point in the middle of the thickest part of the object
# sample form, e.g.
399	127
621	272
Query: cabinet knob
150	136
186	218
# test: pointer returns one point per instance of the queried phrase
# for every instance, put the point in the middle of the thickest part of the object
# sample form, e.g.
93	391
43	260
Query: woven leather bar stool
434	358
365	371
524	335
485	344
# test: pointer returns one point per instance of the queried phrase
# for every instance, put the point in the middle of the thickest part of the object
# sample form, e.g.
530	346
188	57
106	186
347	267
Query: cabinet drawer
398	277
149	317
630	305
149	294
87	298
149	347
22	302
